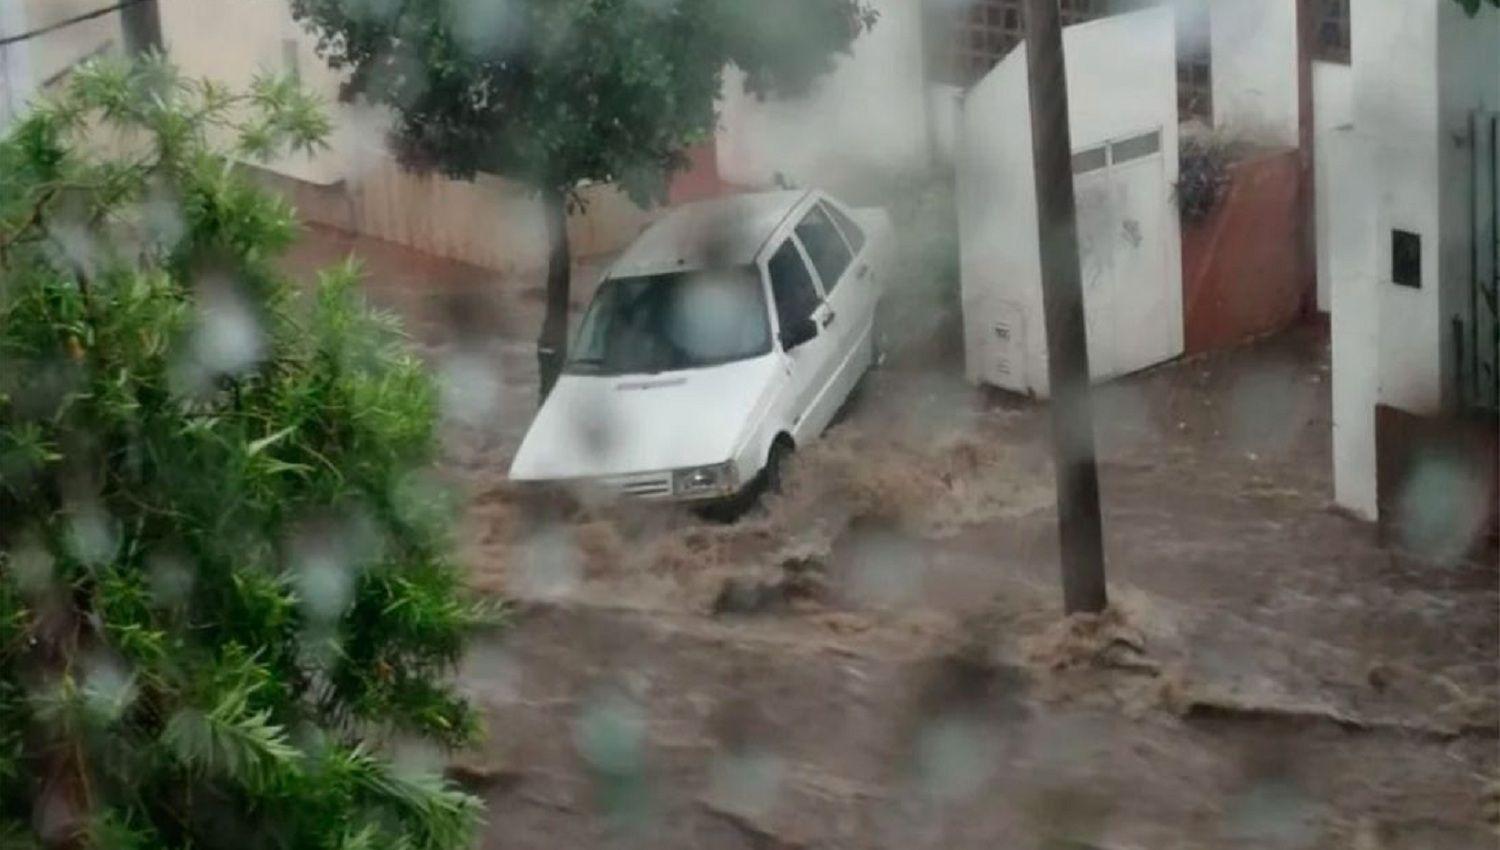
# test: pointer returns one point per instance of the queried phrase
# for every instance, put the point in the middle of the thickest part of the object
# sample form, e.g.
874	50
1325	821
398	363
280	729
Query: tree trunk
1079	524
552	345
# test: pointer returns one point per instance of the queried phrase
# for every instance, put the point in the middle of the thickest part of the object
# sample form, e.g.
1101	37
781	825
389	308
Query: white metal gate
1477	325
1122	252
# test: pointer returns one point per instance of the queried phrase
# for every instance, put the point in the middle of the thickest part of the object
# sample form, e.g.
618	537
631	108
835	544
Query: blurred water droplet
953	758
491	675
326	556
226	338
548	566
400	76
887	568
33	568
1442	508
414	757
170	578
319	650
372	10
1267	408
361	536
45	386
78	243
93	536
162	219
324	588
706	321
57	816
747	782
469	386
610	735
595	426
489	28
1123	409
420	499
322	572
1275	814
108	686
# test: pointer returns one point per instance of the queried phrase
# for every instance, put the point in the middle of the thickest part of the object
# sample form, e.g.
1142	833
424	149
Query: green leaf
232	742
258	446
194	659
444	815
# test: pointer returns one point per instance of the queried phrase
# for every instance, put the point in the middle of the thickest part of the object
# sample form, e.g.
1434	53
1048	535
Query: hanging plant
1203	178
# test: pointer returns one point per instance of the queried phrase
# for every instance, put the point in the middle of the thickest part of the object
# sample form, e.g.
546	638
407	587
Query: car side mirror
798	333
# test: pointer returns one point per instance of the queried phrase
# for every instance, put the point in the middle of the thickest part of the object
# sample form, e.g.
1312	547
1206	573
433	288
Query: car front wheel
781	452
768	481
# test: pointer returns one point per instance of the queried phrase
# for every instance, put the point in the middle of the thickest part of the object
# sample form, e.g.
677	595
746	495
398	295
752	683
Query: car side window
830	256
791	285
852	231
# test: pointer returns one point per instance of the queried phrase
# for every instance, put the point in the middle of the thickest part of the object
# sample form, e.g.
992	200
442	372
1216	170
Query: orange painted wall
701	179
1245	271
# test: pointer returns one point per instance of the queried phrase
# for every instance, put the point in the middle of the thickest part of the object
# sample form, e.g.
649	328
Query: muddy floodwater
877	657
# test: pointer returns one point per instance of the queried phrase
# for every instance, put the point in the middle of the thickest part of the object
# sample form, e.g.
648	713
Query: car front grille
656	485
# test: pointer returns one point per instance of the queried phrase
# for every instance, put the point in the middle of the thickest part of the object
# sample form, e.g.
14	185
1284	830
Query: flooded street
876	658
750	424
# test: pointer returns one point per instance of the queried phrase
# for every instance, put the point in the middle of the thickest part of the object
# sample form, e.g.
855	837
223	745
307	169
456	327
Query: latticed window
1333	38
972	37
1195	90
1195	93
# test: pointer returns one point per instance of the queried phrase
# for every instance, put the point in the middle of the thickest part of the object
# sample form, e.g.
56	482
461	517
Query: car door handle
828	319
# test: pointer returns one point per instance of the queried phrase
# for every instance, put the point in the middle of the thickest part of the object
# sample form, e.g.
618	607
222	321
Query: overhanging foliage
555	92
223	585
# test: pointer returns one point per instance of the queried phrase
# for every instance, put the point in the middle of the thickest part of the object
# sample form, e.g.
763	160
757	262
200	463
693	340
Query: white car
730	333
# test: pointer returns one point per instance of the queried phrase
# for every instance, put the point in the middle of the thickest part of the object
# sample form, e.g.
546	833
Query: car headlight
718	479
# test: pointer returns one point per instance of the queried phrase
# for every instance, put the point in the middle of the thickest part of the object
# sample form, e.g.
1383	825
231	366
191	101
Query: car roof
718	233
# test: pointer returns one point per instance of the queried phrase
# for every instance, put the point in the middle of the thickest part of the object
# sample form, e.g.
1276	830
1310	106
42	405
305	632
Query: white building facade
894	106
1407	164
356	185
1122	94
44	39
871	115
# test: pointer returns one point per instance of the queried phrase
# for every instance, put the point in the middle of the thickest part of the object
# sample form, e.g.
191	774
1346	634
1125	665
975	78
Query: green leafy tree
553	93
224	587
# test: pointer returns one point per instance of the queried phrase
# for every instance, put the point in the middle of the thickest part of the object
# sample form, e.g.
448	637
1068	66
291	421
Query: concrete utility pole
1079	524
140	21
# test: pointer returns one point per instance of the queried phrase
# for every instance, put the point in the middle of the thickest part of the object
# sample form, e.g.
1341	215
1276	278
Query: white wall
1349	252
28	67
1419	67
1254	45
16	82
1333	111
356	184
997	217
1396	111
869	117
232	41
945	115
1121	76
1382	173
57	51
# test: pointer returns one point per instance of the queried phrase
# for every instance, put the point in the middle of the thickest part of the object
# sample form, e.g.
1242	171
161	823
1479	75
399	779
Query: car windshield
666	322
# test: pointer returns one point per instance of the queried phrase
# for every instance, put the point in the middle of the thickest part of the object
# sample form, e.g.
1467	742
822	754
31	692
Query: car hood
593	426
